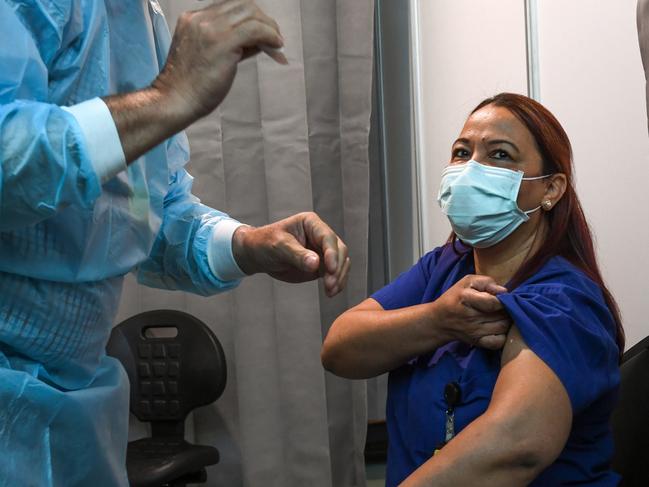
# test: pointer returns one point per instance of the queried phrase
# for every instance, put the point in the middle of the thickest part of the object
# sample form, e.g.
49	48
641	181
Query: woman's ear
556	187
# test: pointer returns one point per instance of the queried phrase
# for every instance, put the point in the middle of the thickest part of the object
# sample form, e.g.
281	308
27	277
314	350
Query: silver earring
547	204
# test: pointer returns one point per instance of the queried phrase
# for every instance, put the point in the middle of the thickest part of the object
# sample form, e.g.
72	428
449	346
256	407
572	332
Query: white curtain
286	139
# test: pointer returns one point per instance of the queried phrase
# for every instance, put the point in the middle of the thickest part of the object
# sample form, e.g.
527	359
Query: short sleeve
572	330
409	287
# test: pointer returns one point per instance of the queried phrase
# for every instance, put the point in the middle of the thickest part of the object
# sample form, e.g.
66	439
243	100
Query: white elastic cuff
219	251
102	140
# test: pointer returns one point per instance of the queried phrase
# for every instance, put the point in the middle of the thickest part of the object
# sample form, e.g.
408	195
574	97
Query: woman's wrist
437	329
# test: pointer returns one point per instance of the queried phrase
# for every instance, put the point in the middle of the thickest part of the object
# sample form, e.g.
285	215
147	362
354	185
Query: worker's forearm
484	454
147	117
366	343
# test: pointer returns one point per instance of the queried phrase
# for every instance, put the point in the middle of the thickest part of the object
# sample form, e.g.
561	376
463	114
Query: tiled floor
375	474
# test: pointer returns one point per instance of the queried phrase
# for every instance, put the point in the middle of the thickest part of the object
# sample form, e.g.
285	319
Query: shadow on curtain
286	139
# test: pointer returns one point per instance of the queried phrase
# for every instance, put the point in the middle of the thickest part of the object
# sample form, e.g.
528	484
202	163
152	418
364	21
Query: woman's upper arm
409	288
530	403
369	304
339	324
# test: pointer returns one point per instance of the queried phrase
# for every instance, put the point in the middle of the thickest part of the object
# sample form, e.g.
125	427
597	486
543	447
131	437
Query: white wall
590	77
469	50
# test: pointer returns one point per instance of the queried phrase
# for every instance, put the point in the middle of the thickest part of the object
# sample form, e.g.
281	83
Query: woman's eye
500	154
460	153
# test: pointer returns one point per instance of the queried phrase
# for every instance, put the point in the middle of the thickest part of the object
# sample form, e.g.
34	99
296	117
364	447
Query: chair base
157	462
191	478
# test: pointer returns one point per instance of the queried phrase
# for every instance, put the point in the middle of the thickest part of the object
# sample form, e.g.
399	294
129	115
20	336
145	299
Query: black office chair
175	364
630	420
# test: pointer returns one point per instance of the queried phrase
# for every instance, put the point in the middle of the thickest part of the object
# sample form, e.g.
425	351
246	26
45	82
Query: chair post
168	429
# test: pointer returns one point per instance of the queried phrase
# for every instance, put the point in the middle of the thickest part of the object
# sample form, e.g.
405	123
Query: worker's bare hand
297	249
206	48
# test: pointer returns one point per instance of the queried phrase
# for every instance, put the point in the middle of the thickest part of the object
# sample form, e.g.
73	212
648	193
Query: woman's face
495	137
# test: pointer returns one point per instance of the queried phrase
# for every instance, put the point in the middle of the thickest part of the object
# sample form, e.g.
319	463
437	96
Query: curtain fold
643	38
286	139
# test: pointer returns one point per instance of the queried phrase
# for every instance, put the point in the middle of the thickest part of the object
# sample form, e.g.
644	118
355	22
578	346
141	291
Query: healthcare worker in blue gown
93	186
503	344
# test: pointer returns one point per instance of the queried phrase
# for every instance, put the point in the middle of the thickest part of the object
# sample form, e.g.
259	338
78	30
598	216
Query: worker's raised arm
205	50
52	156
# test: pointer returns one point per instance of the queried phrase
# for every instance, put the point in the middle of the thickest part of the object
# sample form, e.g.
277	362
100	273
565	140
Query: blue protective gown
562	317
66	241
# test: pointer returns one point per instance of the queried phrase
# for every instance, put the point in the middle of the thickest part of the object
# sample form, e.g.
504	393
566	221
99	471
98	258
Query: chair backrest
174	363
630	420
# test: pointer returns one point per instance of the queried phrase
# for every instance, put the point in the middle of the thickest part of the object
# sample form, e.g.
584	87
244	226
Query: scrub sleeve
562	324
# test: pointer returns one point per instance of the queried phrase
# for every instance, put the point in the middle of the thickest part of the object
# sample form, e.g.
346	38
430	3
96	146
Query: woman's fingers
492	342
474	312
483	302
484	284
487	334
496	327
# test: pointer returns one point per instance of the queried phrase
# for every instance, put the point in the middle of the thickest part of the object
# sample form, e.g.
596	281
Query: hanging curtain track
532	49
418	148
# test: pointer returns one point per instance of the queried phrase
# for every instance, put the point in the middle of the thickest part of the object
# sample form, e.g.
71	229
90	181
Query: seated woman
502	345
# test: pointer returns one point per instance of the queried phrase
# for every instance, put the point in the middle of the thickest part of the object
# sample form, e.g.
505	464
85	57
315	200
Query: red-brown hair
569	234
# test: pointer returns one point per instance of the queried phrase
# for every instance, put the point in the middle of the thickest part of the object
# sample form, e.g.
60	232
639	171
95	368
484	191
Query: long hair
569	234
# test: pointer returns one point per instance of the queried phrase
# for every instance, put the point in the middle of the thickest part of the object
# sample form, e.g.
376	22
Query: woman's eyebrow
502	141
462	140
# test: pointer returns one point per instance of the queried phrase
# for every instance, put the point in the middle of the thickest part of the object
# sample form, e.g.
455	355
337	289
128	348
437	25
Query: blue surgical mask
480	202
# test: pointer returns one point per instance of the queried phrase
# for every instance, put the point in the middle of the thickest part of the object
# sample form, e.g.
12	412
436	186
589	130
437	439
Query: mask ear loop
537	177
534	179
532	210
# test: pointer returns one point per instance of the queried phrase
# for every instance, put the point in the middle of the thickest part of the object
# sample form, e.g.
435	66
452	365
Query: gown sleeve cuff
219	251
102	140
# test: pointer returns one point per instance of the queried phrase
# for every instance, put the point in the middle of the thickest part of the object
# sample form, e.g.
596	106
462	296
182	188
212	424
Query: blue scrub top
562	317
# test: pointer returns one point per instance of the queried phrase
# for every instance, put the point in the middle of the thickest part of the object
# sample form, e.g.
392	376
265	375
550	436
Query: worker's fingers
235	11
255	33
241	11
338	279
218	3
343	252
335	284
295	254
253	36
275	54
344	275
250	52
324	240
261	16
